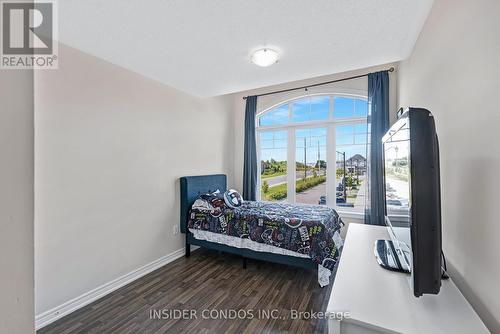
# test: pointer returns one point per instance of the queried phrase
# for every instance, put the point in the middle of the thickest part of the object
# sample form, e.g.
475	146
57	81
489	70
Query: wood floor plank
211	282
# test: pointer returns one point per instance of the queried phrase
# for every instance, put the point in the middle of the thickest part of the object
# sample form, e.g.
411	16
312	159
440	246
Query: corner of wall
16	201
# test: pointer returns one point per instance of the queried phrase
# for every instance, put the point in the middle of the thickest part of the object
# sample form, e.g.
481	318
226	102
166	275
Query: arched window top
276	116
314	108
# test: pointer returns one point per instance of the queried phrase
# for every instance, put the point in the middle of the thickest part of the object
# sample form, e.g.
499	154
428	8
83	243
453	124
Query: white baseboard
47	317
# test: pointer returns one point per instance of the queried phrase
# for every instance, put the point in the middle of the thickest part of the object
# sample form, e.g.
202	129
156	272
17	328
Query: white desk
380	301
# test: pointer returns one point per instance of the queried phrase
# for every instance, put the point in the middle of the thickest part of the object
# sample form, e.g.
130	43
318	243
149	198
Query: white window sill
351	215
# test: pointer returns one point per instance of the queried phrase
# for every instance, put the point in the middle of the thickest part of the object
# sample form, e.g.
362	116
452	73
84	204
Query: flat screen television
412	201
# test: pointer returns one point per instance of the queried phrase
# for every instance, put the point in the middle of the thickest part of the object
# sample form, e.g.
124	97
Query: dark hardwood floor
209	284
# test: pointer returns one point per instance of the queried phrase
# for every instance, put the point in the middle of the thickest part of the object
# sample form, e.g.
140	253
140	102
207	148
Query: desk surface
379	298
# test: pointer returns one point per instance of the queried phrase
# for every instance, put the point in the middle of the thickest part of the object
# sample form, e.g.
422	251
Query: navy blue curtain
250	153
378	124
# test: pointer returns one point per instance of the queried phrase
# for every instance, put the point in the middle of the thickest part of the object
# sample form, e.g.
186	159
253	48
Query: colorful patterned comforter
313	230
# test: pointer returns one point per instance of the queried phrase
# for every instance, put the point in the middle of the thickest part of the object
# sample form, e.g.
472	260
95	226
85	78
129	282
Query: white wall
16	202
110	147
454	71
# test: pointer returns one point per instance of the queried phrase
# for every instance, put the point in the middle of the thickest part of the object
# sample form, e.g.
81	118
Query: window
296	141
310	164
351	152
277	116
310	109
346	107
273	165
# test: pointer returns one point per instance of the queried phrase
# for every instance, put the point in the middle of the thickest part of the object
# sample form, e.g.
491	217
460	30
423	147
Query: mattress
307	230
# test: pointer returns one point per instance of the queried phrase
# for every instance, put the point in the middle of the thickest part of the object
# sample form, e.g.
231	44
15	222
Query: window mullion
290	162
330	109
331	164
259	166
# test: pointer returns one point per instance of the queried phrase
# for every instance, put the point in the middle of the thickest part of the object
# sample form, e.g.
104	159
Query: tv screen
398	189
412	197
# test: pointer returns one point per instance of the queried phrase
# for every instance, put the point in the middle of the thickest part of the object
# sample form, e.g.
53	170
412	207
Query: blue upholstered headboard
193	186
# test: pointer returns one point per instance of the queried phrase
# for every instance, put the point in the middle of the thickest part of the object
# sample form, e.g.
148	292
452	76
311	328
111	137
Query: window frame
330	124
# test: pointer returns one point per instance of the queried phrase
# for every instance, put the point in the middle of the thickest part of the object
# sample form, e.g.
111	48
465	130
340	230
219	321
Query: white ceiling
203	47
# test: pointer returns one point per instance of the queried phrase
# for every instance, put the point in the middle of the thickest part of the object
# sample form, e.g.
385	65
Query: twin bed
306	236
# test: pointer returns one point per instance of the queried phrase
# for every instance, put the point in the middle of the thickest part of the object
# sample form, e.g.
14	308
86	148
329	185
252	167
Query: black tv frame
425	228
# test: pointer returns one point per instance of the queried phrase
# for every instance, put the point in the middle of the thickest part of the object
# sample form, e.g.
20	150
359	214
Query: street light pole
345	183
305	160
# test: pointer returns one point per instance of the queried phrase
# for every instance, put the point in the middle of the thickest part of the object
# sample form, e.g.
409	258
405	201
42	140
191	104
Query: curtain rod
314	85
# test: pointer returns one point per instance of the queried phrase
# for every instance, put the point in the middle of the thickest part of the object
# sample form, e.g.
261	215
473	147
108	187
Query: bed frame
191	188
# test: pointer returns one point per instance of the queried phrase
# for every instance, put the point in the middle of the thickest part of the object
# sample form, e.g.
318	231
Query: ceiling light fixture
265	57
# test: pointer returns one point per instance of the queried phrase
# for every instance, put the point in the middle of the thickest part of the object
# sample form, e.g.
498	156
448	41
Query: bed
306	236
